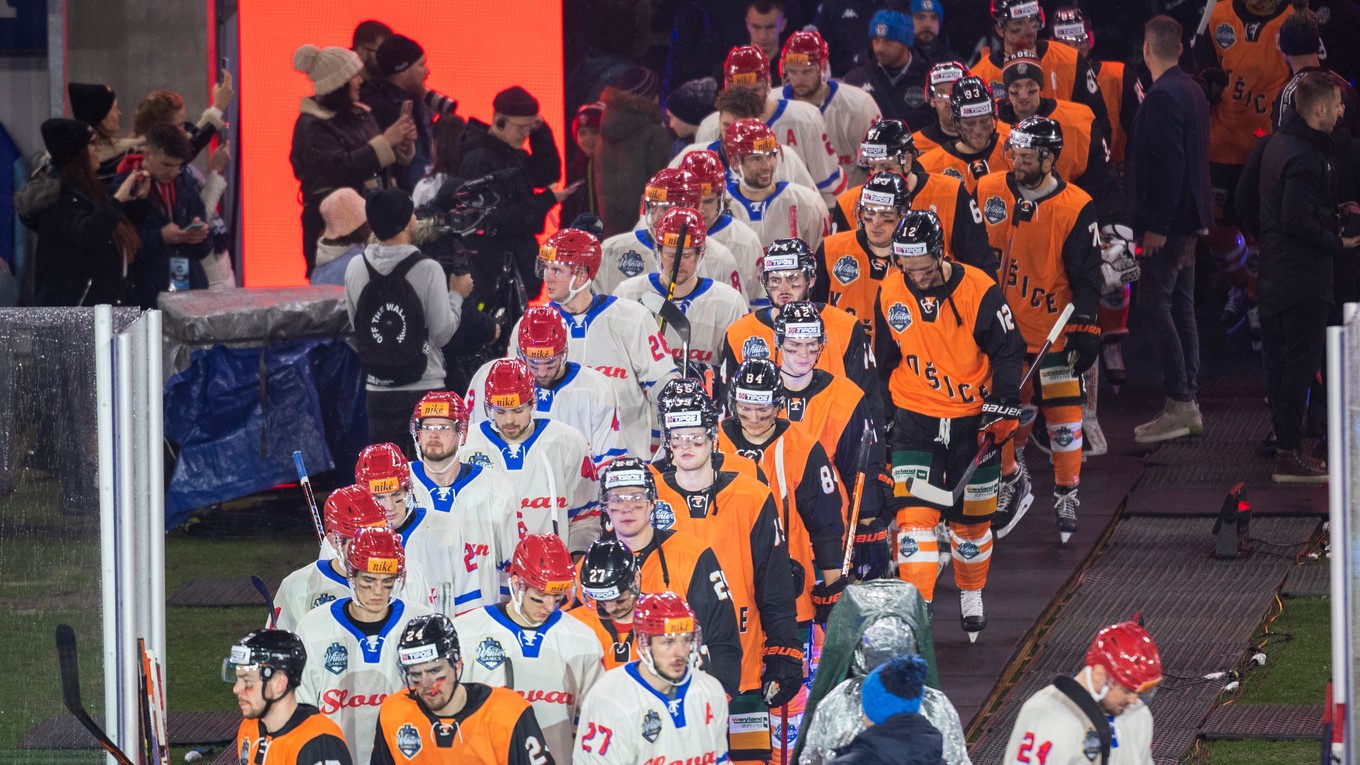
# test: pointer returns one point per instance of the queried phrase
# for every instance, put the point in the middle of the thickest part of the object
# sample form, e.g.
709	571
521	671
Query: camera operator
508	235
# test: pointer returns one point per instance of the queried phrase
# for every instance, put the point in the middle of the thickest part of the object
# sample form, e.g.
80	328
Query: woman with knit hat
97	106
336	143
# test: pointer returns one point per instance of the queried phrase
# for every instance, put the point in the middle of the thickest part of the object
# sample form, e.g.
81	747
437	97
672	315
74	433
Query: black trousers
1295	338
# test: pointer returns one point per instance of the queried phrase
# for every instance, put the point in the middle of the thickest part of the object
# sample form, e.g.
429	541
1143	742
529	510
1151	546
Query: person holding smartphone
398	94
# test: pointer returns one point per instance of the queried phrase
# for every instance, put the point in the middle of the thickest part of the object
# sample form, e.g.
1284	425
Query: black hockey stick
671	314
68	664
263	589
946	498
675	265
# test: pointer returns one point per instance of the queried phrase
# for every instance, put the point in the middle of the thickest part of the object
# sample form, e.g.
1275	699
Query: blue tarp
232	444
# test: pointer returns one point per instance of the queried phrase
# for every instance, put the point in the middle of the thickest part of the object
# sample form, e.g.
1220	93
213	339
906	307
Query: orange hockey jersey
1248	50
846	352
948	160
1067	75
308	737
495	727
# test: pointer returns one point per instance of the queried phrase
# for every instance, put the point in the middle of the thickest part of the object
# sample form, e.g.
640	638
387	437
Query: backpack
389	326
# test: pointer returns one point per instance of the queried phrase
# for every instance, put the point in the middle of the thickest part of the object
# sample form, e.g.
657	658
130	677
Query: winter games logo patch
479	459
490	654
336	659
846	269
630	264
651	726
408	740
755	348
899	317
906	547
968	550
994	210
663	515
1225	36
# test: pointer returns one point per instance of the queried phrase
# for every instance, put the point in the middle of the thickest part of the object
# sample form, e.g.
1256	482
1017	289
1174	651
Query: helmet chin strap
646	658
516	598
1090	685
572	292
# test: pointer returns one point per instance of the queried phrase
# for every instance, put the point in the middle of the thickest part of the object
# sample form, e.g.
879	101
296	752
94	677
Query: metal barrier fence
1343	462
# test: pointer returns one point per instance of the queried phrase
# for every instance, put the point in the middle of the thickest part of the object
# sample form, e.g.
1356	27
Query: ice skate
1065	505
973	617
1013	499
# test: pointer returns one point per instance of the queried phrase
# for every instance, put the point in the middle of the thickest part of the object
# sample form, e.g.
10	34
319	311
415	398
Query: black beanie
388	212
90	103
1299	34
65	138
515	101
1021	65
693	100
397	54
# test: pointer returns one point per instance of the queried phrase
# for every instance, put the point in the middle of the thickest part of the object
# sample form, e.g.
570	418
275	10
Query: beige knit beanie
328	68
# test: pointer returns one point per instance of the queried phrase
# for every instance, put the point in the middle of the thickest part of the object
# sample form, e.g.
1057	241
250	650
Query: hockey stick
862	463
68	663
152	706
671	314
263	589
946	498
675	266
311	497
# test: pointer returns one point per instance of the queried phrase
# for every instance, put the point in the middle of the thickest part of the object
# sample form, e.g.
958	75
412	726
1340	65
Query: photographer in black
506	239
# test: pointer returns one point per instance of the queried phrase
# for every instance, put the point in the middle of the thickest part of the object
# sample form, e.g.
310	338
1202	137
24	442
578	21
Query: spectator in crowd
894	77
346	235
448	159
765	24
1172	202
1299	241
512	226
926	17
585	133
97	106
367	38
391	215
896	733
841	24
403	69
174	233
1302	48
634	144
335	140
686	107
167	106
86	238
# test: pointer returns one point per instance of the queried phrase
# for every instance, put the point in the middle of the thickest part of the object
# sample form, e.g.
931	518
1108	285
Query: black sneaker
1292	466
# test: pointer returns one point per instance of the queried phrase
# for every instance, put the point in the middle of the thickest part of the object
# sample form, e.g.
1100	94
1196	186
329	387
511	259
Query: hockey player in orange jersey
980	148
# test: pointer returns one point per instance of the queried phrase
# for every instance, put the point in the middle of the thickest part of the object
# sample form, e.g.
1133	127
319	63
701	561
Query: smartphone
195	226
406	107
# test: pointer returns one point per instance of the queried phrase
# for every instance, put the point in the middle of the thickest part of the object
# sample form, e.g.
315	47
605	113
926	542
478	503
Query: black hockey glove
825	596
782	674
1214	81
1083	342
871	558
1000	417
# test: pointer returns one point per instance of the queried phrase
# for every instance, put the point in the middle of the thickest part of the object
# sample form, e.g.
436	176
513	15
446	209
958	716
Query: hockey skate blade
972	637
1019	513
1064	536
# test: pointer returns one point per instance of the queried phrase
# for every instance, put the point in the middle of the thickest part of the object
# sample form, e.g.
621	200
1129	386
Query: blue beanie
893	688
928	6
893	25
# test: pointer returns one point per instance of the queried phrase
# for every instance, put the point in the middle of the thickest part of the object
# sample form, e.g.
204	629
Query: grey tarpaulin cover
860	606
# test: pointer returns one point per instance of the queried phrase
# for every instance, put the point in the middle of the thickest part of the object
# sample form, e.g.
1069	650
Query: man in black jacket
1172	201
1299	241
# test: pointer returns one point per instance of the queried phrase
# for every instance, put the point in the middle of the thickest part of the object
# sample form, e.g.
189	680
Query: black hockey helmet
1010	10
269	651
608	570
788	255
1070	25
1040	133
971	98
799	319
757	381
627	472
884	190
428	638
918	235
685	404
887	139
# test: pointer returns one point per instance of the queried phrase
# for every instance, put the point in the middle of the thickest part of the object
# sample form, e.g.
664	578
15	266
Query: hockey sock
1113	313
1064	434
972	543
918	550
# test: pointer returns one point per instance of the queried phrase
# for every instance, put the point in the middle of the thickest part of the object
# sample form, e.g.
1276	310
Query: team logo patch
914	97
245	753
994	210
1090	746
408	740
755	348
899	317
336	659
490	654
881	30
477	458
953	173
651	726
846	269
1225	36
663	515
906	547
1064	436
968	550
630	264
322	599
928	306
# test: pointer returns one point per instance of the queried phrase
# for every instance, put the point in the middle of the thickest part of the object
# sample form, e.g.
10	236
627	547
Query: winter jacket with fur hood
634	144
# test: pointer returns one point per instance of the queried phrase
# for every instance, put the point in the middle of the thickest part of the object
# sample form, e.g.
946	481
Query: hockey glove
1083	343
999	419
782	674
1214	81
1118	266
871	557
825	596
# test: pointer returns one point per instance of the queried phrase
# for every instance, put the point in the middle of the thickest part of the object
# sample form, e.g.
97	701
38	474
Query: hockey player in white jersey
773	209
660	708
790	167
567	392
479	500
531	647
629	254
618	338
722	227
352	643
433	542
805	65
548	462
1099	715
711	307
798	125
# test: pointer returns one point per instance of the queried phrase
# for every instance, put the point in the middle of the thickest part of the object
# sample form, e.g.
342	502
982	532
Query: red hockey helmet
542	333
709	168
746	67
1129	656
441	403
376	550
382	469
676	218
509	384
665	613
349	509
803	48
572	247
542	561
748	136
671	187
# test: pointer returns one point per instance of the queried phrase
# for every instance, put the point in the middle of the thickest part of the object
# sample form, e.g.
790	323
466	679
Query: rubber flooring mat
1202	611
185	728
220	592
1273	722
1310	580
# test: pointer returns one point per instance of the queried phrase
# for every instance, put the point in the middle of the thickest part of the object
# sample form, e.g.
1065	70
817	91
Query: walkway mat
1273	722
63	732
1311	580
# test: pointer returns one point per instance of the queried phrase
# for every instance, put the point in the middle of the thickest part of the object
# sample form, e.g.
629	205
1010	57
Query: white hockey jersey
553	667
583	399
348	674
621	340
317	584
1052	729
849	112
554	478
711	308
790	211
790	167
484	505
800	127
624	721
435	551
630	254
746	249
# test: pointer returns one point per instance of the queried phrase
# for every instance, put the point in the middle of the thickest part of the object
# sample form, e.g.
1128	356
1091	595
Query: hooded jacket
903	739
633	146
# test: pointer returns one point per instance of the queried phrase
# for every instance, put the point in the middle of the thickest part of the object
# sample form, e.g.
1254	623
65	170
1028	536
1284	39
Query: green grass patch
1264	752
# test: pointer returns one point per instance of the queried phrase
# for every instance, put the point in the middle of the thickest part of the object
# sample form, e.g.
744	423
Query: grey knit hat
329	69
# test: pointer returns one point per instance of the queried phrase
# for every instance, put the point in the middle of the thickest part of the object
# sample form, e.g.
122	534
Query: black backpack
389	326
